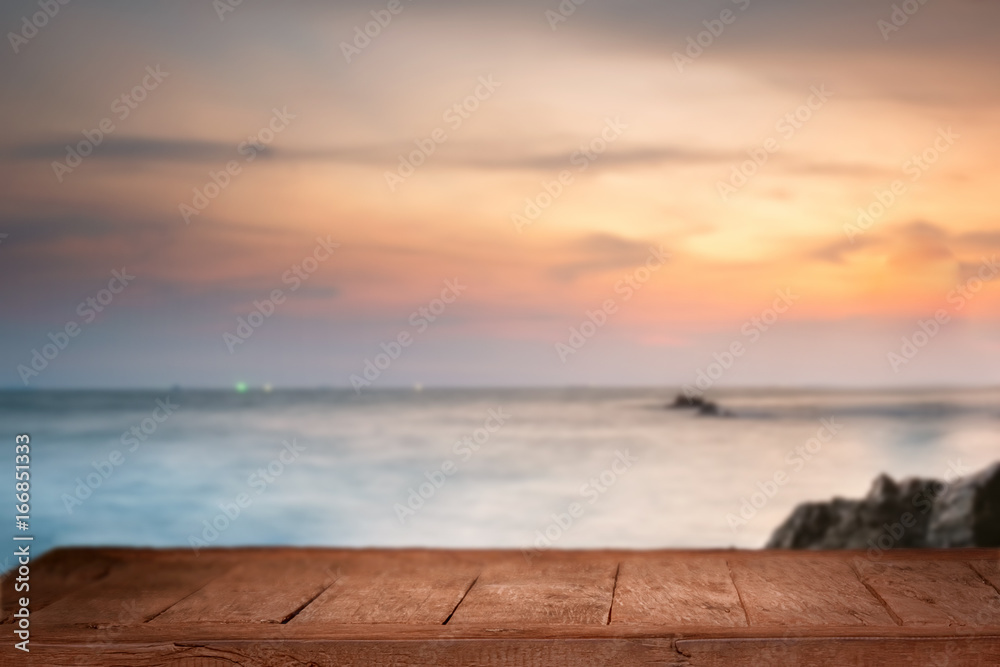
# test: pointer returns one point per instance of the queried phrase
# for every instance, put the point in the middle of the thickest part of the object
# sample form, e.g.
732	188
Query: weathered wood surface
806	591
545	591
677	590
425	607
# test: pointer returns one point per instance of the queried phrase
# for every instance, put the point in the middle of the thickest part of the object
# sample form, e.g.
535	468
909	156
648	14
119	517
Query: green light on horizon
241	387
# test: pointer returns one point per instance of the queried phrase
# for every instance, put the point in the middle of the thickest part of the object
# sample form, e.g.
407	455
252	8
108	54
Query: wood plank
888	651
482	653
149	633
988	570
882	651
393	593
390	606
264	590
678	591
549	589
932	593
55	574
133	592
242	554
805	591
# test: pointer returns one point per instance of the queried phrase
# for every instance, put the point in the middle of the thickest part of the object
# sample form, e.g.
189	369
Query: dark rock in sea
910	513
704	408
685	401
708	408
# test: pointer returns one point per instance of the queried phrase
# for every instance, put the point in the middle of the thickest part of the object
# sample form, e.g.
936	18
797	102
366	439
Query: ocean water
566	468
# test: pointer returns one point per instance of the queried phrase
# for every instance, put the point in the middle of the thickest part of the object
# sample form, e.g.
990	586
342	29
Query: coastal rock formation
910	513
708	408
967	512
685	401
705	408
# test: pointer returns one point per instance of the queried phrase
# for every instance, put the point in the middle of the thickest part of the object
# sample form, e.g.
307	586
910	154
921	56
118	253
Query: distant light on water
241	387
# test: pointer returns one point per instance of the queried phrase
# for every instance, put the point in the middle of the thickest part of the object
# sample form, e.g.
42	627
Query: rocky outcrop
685	401
705	408
911	513
967	512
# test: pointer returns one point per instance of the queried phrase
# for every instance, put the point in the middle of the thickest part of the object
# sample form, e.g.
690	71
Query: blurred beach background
358	227
358	457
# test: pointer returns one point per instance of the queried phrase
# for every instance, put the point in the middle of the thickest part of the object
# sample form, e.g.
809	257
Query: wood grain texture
276	632
677	591
546	590
265	590
392	594
888	652
937	593
467	653
988	570
388	607
54	575
809	651
805	591
133	592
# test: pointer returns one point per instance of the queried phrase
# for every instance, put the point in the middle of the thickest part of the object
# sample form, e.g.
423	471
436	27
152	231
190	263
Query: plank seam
64	592
739	593
170	606
308	602
895	619
461	599
614	589
983	577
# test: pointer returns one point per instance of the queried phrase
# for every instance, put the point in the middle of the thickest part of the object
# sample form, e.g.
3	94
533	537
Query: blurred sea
359	456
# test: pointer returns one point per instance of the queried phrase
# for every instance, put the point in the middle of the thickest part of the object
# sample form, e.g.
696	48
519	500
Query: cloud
920	229
836	252
47	229
597	253
852	169
981	239
464	155
911	244
53	257
470	155
620	158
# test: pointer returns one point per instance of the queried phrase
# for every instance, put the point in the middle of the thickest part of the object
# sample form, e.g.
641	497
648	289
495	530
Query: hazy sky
833	104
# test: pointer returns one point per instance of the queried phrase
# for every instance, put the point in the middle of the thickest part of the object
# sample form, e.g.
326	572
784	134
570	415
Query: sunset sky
672	130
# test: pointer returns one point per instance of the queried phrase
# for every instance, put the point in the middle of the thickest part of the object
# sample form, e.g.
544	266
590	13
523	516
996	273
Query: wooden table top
291	606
